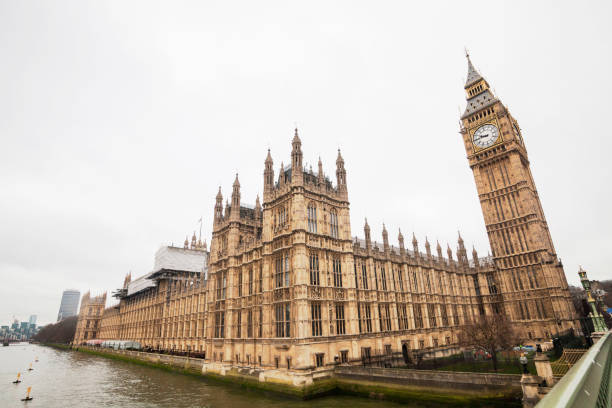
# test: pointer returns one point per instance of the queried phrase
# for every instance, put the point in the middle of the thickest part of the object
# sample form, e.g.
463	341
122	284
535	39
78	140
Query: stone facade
290	288
90	314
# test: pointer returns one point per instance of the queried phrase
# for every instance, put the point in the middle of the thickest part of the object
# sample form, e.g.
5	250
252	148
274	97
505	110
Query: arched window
333	223
312	218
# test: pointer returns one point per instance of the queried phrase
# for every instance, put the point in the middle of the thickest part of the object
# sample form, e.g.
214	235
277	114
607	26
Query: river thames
72	379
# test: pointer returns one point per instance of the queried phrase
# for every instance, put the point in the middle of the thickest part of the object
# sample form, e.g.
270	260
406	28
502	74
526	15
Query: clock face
485	136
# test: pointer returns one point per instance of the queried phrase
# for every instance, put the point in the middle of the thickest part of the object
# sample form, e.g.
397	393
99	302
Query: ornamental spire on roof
472	75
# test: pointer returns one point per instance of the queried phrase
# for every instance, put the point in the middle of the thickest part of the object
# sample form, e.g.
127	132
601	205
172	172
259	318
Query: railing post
530	384
543	368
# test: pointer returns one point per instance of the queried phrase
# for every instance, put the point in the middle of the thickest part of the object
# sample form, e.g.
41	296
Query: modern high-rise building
32	320
70	304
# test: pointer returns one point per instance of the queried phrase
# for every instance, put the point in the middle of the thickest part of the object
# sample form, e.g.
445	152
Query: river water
72	379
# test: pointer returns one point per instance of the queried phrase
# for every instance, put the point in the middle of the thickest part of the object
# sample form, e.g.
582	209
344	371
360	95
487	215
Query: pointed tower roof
296	138
438	247
268	157
414	240
472	75
366	226
339	159
219	195
400	237
236	182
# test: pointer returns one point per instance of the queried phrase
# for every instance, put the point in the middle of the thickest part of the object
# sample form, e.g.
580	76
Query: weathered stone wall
429	378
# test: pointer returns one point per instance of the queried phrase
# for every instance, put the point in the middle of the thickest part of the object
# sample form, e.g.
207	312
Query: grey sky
121	119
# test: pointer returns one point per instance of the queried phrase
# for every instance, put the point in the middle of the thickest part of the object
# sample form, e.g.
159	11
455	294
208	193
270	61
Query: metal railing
588	383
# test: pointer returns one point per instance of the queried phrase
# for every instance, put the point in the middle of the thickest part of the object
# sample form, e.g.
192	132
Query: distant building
70	304
90	314
33	320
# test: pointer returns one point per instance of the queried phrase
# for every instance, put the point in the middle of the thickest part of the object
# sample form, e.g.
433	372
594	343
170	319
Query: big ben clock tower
534	287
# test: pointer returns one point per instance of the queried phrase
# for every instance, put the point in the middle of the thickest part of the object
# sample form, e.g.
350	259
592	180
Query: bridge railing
588	383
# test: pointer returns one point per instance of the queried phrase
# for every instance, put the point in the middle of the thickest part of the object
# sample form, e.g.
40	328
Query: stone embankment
423	387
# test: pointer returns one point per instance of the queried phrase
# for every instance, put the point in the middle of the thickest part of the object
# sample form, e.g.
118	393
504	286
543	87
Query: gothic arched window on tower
333	223
312	218
314	269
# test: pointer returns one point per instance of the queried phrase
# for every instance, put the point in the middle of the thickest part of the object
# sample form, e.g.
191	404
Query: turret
194	241
257	208
400	239
461	252
281	174
368	238
340	174
449	252
268	174
321	176
296	159
218	208
415	245
385	235
427	248
186	243
227	209
439	250
475	256
127	280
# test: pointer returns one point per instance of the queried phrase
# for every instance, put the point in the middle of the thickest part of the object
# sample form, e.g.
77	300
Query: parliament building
287	287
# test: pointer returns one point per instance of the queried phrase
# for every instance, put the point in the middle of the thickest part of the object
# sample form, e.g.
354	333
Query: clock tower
533	283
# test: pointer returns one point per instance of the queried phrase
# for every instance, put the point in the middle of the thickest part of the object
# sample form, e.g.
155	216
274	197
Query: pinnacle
269	157
472	75
236	182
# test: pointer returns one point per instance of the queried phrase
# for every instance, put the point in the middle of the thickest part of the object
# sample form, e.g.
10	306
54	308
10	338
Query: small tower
449	252
257	208
268	174
341	174
385	235
439	250
427	248
227	209
321	176
218	208
194	241
186	243
281	174
368	238
400	239
296	159
475	256
127	280
415	245
235	213
461	252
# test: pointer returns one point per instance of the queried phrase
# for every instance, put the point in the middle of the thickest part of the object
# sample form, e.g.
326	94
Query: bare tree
489	333
60	332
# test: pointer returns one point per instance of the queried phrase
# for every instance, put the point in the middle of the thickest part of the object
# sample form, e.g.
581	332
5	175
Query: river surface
72	379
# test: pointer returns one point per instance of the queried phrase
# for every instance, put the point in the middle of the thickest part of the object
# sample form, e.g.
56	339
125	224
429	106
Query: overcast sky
120	120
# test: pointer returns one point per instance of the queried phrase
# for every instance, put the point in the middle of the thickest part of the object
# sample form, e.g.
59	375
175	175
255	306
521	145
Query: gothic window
375	277
314	269
320	359
402	318
364	276
239	283
337	272
368	318
239	324
219	324
356	279
383	277
340	326
444	315
432	315
400	279
333	223
281	270
312	218
418	316
428	282
455	315
415	284
384	317
491	284
282	320
359	319
260	324
315	310
250	280
260	280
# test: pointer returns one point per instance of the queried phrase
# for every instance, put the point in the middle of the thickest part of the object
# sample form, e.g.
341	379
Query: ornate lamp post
598	322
